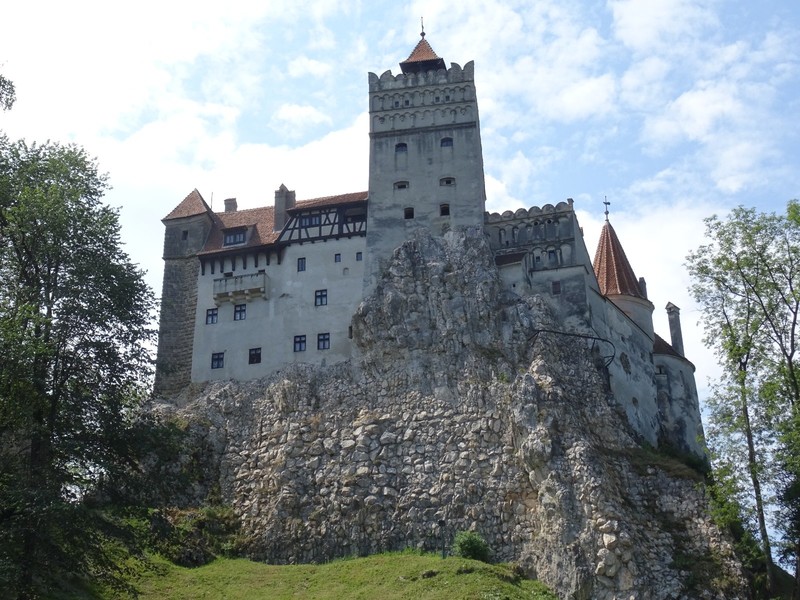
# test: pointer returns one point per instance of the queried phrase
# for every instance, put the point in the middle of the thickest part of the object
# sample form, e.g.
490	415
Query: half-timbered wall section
326	222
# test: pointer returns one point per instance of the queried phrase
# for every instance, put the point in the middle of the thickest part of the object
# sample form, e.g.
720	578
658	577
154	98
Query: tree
75	332
7	93
748	281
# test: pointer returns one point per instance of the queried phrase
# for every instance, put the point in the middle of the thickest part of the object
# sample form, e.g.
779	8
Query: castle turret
618	282
426	162
187	228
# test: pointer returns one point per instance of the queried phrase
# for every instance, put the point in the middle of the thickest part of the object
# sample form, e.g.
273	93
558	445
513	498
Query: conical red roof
614	273
422	58
190	206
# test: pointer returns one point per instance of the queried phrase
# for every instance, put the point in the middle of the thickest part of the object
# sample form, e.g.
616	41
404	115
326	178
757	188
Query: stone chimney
643	287
230	205
284	200
674	316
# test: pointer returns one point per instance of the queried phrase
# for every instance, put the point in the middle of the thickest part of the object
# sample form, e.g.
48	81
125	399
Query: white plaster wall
288	311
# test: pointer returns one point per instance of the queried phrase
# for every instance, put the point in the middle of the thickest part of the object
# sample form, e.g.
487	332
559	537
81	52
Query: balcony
240	288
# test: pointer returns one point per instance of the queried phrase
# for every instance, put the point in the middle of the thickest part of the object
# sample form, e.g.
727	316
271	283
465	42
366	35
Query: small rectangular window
337	258
556	288
447	181
359	256
401	185
185	234
240	312
301	263
217	360
444	210
254	356
234	237
212	314
323	341
310	220
299	343
408	213
321	298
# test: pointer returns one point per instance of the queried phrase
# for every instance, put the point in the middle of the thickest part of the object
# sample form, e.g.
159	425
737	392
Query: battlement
533	211
455	74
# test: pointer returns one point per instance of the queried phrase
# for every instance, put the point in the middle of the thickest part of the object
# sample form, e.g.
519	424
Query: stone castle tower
426	161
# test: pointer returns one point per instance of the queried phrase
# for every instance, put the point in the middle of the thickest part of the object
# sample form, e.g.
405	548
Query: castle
248	292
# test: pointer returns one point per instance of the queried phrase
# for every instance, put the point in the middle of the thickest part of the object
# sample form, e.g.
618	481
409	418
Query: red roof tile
190	206
614	272
261	222
422	51
329	201
422	58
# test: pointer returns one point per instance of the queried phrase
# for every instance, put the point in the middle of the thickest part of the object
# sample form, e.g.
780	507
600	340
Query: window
217	360
234	237
299	343
185	234
359	256
447	181
321	298
255	356
556	288
406	103
323	341
240	312
446	142
401	185
408	213
212	314
444	210
301	264
337	257
310	220
551	255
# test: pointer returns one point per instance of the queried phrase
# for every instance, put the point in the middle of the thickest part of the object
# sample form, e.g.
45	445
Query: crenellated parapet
442	98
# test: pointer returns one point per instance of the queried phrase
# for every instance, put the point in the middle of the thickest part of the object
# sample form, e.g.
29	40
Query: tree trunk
752	467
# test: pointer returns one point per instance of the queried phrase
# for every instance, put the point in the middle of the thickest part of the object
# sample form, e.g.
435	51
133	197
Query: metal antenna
422	24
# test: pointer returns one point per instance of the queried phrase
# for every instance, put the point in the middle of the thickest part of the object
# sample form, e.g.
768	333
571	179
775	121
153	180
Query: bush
470	544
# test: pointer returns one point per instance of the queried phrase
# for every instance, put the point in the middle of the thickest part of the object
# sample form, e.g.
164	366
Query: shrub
470	544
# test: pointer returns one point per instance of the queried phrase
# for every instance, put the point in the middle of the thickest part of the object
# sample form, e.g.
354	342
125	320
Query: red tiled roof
263	220
190	206
329	201
422	51
614	272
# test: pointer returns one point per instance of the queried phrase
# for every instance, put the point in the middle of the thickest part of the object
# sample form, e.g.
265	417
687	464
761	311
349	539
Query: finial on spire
422	24
607	203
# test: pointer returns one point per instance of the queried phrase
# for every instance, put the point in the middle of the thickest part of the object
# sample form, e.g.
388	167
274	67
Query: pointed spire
422	57
614	273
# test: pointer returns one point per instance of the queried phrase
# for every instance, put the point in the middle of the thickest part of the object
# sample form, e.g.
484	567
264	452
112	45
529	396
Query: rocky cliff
466	404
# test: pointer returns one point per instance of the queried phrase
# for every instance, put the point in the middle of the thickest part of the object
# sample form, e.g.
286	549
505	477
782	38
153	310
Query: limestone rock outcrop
467	404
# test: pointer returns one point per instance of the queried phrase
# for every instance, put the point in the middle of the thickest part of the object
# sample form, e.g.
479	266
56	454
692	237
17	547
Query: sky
673	110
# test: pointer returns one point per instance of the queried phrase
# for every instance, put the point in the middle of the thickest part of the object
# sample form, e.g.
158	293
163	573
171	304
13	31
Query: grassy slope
385	576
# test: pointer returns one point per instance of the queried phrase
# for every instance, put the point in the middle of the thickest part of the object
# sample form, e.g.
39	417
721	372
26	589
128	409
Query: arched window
401	147
446	142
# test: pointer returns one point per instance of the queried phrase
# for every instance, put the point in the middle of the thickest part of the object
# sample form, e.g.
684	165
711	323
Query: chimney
674	316
230	205
284	200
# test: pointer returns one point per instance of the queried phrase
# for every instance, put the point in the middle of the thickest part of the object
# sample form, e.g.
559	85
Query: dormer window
310	220
401	147
446	142
234	237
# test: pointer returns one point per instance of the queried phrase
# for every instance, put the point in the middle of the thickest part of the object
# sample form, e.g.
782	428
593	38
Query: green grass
384	576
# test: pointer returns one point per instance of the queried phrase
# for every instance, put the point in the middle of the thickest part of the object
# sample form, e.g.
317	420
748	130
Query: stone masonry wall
459	408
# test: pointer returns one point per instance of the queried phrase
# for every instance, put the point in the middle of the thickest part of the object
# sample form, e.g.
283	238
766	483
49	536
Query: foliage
7	93
747	278
386	576
75	333
470	544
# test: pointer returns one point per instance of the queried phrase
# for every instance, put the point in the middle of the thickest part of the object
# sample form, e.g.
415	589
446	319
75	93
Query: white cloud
294	119
302	65
659	24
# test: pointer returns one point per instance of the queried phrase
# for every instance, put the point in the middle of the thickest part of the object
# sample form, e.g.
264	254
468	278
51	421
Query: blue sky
673	109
